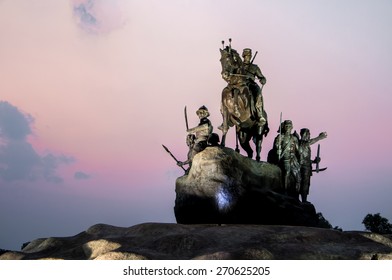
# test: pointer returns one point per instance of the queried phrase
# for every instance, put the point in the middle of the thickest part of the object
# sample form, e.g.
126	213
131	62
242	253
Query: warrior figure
252	71
306	161
198	136
287	147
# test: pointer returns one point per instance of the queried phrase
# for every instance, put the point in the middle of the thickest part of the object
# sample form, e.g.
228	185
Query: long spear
167	150
280	137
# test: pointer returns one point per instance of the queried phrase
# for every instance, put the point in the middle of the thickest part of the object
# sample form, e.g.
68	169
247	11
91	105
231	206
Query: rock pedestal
224	187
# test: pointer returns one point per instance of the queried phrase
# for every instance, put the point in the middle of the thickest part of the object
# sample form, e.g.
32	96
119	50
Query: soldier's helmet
246	52
203	111
213	140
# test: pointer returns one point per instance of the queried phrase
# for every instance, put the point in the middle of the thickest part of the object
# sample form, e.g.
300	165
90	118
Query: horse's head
231	62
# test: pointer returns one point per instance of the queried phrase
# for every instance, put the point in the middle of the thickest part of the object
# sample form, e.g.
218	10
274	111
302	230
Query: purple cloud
98	16
18	159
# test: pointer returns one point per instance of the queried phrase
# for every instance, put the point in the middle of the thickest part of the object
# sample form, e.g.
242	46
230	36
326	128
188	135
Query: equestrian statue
242	103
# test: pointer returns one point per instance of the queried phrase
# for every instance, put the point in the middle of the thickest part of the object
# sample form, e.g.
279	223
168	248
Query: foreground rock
225	187
174	241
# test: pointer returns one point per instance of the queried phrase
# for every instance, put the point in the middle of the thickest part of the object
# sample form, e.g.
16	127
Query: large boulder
159	241
223	186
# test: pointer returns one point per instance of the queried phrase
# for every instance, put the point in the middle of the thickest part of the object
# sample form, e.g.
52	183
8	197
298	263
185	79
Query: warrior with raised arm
306	161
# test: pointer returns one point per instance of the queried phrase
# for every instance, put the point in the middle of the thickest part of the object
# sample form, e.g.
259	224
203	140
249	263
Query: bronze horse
238	105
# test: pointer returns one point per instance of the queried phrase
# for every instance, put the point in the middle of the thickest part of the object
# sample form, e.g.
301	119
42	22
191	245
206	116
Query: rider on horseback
252	71
242	102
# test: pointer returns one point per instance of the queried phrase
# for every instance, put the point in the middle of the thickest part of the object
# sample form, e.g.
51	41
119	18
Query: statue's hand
317	160
266	130
323	135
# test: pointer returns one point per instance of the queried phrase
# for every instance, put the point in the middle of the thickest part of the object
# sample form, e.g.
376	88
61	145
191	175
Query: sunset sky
91	89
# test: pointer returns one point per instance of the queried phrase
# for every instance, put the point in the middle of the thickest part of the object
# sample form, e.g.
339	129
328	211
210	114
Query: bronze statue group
242	106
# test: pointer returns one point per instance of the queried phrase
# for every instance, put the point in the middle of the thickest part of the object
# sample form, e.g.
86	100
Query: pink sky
104	94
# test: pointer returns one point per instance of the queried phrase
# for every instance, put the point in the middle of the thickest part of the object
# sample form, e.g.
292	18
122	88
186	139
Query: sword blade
186	119
320	169
254	57
318	156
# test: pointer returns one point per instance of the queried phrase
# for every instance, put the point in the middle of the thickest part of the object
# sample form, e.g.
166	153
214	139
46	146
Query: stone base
224	187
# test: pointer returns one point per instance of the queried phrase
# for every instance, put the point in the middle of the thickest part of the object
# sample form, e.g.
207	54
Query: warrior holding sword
252	71
199	135
306	161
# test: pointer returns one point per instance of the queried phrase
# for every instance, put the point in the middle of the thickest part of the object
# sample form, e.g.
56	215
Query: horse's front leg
244	138
225	115
225	126
260	131
259	141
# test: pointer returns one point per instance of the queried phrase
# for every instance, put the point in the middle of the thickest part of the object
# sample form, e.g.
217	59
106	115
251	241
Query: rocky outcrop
160	241
225	187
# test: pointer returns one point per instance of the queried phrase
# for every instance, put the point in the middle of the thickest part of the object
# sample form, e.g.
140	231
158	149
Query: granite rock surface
161	241
224	186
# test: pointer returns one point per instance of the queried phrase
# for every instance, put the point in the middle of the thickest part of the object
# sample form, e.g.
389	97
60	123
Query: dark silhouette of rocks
161	241
225	187
3	251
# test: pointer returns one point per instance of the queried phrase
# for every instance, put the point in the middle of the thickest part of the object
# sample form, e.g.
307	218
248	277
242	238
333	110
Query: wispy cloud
50	163
79	175
18	159
98	16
